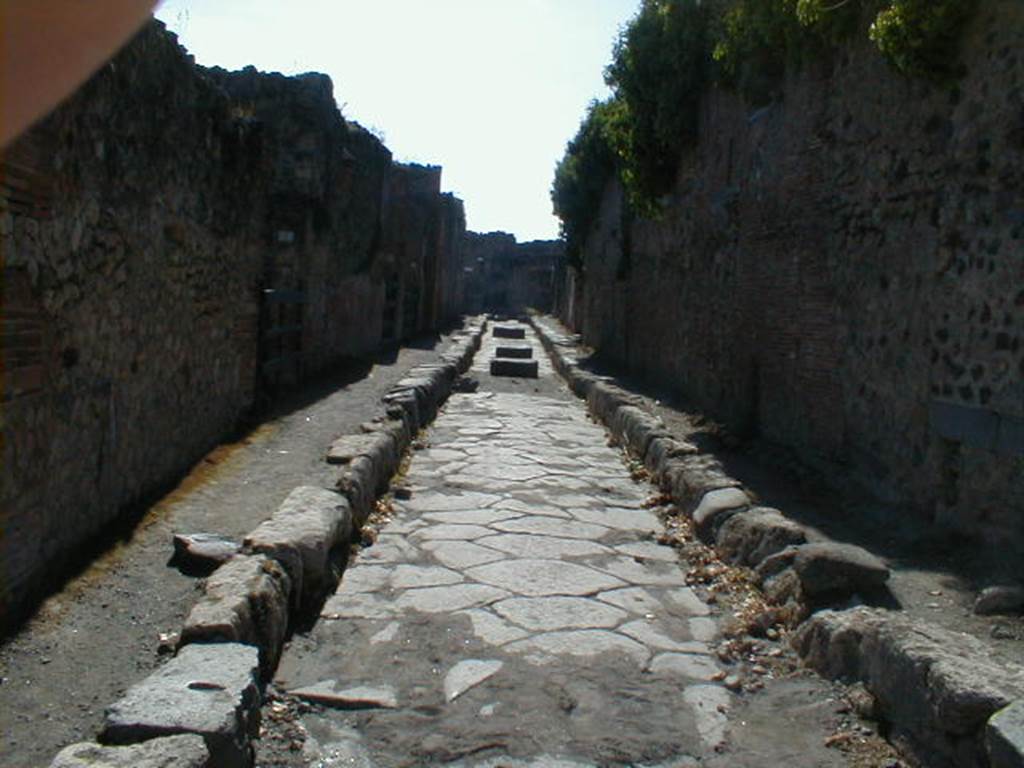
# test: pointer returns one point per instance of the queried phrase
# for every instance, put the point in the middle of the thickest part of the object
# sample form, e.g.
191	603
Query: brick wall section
841	272
140	226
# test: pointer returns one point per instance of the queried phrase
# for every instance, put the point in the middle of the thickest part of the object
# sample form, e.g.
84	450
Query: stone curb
723	512
233	637
937	688
948	702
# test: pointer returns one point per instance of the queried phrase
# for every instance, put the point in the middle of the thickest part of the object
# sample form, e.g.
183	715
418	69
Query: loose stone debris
203	551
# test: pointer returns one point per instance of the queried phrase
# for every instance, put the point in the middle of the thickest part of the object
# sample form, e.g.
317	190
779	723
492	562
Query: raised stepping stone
509	332
208	690
521	353
524	369
186	751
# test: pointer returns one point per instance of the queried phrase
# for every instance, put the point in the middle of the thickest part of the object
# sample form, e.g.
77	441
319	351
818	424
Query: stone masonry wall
507	276
172	238
842	272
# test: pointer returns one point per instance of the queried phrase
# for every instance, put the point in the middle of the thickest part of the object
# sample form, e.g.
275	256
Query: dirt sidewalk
100	633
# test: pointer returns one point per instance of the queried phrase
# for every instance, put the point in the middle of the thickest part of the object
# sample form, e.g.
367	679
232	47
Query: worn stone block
661	451
184	751
244	601
715	507
938	686
358	484
749	537
829	567
1003	599
517	353
347	447
509	332
1004	737
308	525
525	369
407	401
605	398
207	690
636	428
203	550
689	478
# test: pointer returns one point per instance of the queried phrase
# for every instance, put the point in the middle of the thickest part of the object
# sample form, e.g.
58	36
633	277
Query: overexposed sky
490	89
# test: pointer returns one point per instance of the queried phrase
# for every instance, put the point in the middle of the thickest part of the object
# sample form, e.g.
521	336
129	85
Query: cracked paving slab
516	606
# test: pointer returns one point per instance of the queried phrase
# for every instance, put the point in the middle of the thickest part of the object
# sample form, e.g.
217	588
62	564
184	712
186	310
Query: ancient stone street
517	609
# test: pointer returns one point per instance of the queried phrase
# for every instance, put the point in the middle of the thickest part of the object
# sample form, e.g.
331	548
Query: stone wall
842	272
506	276
178	242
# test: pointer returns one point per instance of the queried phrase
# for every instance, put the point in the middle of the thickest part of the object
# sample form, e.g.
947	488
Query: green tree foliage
666	57
658	72
920	37
581	176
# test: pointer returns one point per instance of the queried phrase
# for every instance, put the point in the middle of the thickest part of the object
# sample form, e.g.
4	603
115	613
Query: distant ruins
179	244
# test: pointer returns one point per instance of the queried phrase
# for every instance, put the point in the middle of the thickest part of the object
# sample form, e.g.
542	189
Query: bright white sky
490	89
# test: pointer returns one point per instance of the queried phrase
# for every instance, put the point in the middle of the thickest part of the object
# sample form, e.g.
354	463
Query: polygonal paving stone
709	704
544	510
389	548
492	629
633	599
553	613
645	574
462	554
546	497
495	471
619	518
386	635
450	532
536	578
549	526
547	547
648	550
408	576
564	483
360	605
643	631
580	642
468	674
365	578
450	598
473	516
686	600
691	665
440	454
703	629
431	501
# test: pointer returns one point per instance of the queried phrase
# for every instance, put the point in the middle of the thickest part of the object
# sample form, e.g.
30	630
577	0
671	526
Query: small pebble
733	683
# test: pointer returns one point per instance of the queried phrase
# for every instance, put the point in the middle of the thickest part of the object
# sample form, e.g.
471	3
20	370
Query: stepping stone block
520	353
509	332
526	369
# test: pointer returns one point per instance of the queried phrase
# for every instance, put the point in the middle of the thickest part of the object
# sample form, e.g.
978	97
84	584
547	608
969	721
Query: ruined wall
507	276
130	299
323	218
178	242
842	272
410	249
451	288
